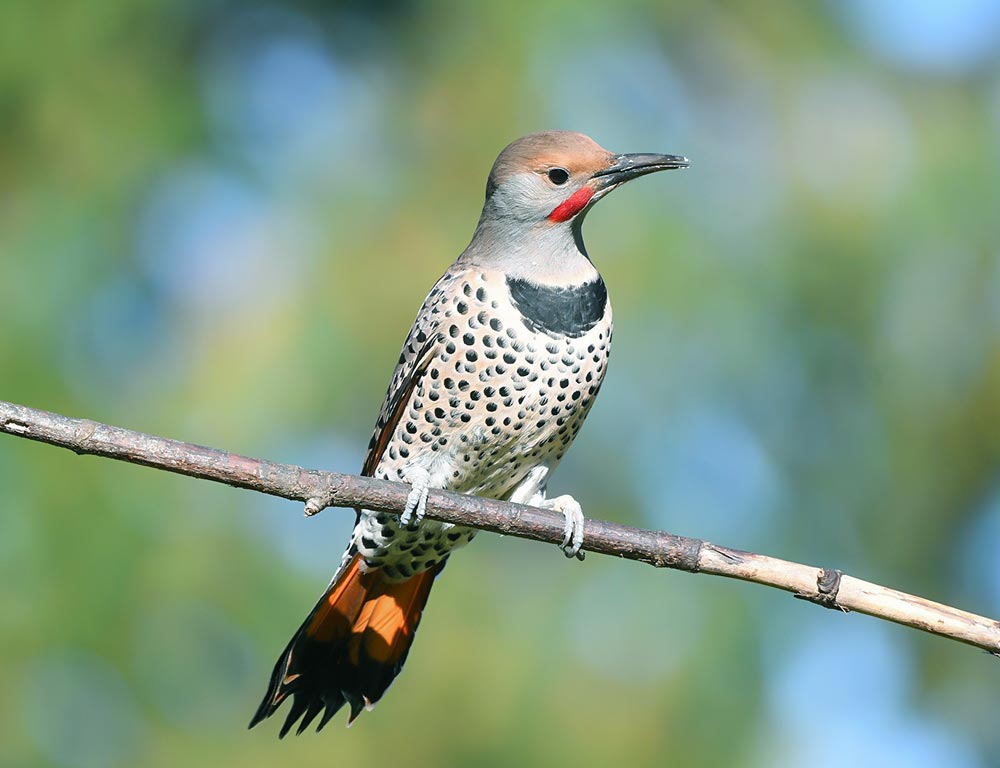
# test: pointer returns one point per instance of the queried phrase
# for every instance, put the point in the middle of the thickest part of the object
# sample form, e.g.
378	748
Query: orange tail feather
350	647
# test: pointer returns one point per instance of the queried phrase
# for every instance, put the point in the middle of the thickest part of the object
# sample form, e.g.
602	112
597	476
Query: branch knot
827	589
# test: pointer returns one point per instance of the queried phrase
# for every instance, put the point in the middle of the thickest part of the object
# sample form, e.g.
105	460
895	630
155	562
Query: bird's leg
531	491
416	502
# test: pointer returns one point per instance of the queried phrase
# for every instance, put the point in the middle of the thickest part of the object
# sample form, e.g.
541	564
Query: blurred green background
217	220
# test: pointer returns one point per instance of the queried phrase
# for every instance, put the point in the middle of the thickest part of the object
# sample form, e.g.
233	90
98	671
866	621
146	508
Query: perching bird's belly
501	396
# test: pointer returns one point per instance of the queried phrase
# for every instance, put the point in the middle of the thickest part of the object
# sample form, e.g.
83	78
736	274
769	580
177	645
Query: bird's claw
416	504
572	542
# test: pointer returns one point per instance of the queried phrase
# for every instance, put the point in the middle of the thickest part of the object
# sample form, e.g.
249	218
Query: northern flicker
498	372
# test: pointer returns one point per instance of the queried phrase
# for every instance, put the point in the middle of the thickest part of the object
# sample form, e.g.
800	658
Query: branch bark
319	489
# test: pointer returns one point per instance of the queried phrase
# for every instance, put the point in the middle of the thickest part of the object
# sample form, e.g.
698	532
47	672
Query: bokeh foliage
216	222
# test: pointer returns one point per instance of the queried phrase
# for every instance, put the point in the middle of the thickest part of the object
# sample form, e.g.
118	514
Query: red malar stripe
573	205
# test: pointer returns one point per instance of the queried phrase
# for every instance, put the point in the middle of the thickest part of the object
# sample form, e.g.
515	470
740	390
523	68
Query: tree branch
319	489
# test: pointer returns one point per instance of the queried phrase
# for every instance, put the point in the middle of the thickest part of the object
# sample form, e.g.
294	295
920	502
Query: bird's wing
418	350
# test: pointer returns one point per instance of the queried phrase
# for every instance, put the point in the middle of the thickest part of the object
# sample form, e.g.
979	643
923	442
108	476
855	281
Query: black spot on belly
559	311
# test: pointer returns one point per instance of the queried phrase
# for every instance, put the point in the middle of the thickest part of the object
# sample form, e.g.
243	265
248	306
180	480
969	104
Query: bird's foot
416	501
573	529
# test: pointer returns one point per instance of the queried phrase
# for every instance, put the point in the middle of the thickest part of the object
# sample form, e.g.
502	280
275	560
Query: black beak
632	166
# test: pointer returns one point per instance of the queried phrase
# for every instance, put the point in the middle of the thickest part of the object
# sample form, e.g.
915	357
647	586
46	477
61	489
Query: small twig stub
827	589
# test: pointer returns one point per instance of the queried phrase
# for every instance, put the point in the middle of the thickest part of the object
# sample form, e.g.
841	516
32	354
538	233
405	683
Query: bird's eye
558	176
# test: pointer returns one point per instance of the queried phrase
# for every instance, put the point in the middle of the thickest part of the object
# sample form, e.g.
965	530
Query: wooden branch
319	489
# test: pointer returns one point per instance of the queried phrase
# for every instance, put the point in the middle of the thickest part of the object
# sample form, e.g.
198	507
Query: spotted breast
509	370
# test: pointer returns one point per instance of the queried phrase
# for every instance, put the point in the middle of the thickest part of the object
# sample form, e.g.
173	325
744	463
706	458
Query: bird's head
554	177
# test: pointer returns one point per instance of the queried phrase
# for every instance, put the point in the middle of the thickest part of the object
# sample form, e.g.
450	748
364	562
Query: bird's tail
349	648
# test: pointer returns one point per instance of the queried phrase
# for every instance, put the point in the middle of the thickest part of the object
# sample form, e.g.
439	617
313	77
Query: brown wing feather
395	405
418	350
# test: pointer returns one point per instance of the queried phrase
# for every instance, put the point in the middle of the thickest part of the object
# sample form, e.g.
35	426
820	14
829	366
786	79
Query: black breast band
559	311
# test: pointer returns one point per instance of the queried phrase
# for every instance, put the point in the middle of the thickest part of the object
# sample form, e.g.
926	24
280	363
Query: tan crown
549	149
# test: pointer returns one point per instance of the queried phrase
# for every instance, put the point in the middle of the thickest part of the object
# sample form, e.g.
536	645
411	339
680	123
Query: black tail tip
260	716
302	707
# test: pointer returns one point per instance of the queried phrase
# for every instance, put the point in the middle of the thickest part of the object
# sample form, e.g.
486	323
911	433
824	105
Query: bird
496	376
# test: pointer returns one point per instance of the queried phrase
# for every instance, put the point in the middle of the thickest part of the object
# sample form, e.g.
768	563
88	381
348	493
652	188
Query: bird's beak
632	166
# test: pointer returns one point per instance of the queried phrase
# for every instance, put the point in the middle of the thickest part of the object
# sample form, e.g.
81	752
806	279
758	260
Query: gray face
529	197
539	177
